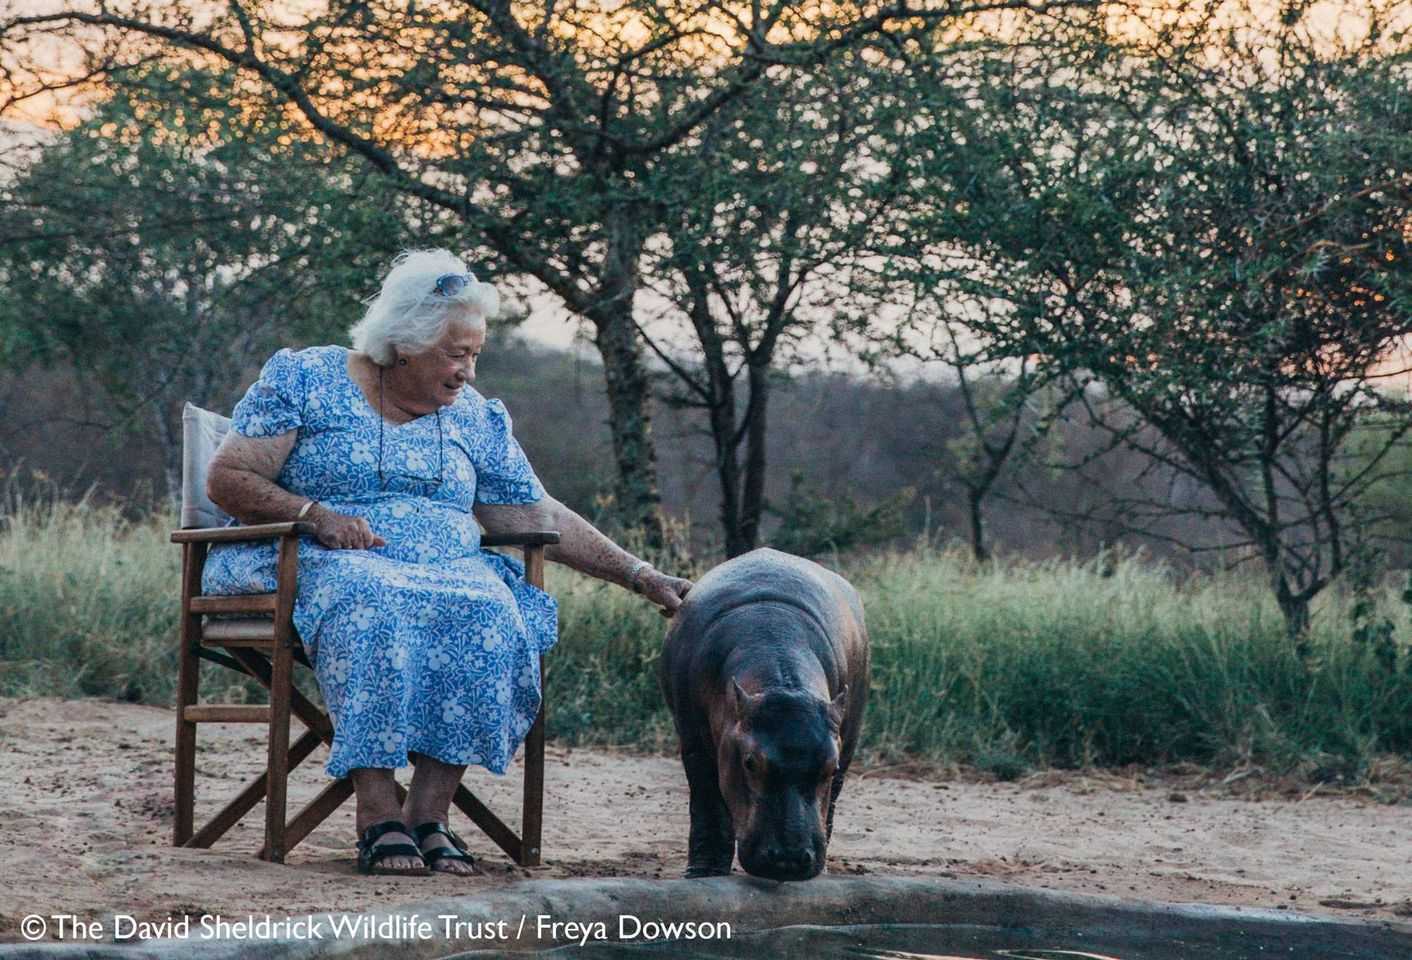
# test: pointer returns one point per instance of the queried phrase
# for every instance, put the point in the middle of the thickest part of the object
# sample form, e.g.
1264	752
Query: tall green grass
1118	661
87	601
1008	666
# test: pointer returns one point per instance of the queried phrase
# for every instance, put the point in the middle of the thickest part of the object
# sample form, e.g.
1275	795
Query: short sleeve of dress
503	472
274	404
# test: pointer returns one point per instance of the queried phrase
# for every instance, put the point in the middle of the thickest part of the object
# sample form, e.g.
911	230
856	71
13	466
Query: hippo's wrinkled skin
765	669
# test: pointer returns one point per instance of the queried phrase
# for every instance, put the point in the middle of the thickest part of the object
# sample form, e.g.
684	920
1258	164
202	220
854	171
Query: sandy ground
87	810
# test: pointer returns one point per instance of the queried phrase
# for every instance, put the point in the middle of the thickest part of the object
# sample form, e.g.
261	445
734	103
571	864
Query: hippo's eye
751	764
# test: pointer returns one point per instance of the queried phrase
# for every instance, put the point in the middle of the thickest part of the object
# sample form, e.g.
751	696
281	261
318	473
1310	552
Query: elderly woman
422	642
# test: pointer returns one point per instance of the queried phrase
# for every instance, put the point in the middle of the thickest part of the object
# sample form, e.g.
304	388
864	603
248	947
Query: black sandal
371	854
437	854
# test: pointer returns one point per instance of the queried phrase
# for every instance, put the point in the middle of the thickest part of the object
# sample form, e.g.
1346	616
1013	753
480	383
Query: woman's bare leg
376	792
429	798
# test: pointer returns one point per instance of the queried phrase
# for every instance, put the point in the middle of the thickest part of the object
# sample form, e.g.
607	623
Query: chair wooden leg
281	680
312	717
315	812
492	826
253	793
533	806
193	558
278	765
318	729
533	802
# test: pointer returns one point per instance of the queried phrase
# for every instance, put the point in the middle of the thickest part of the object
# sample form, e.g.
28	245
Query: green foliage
158	220
1208	226
1372	630
1007	665
592	150
163	246
812	525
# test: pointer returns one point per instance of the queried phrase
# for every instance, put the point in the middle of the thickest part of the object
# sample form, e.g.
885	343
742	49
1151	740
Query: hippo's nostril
794	863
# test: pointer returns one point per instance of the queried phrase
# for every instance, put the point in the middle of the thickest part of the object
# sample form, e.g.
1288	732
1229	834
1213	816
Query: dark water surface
960	942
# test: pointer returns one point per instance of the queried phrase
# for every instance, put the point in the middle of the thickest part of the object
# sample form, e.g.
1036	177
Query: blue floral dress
428	644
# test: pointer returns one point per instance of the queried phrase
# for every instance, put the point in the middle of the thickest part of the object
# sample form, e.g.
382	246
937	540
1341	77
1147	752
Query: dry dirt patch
87	818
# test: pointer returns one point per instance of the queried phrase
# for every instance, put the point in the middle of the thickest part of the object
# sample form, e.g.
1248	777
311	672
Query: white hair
408	312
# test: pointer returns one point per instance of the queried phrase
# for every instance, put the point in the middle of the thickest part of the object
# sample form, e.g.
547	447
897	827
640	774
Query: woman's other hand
339	531
667	592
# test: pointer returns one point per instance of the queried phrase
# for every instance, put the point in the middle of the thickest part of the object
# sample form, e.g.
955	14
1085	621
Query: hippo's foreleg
834	791
711	847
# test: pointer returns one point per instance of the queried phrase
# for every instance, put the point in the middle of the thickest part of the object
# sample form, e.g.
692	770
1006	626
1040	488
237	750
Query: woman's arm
241	481
584	548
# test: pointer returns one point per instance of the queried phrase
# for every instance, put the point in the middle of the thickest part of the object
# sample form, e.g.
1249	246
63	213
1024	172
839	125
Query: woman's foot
385	845
387	849
443	850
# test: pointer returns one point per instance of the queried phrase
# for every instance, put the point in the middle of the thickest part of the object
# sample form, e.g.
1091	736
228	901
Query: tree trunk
1295	608
637	500
718	393
975	499
723	428
169	433
752	501
630	419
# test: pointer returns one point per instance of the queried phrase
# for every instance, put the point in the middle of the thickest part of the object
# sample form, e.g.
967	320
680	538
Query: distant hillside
844	437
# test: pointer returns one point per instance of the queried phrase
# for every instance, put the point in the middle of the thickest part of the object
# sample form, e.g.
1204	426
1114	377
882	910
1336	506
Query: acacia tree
1219	213
541	128
159	258
780	196
947	270
1007	409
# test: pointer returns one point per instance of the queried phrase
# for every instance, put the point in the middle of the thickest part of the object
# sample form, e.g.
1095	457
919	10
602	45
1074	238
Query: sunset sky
1337	22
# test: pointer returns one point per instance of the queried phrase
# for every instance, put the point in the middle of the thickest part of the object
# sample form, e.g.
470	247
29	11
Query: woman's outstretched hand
667	592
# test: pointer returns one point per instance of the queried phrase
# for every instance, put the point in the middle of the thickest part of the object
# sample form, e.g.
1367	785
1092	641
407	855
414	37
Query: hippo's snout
775	861
792	865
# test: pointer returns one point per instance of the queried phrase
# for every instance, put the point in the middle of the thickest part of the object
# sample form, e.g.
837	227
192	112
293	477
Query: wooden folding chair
255	635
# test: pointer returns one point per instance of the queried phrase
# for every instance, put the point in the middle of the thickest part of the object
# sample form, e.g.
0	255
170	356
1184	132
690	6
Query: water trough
824	918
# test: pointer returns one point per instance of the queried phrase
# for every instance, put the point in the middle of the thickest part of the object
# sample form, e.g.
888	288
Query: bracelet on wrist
304	510
635	578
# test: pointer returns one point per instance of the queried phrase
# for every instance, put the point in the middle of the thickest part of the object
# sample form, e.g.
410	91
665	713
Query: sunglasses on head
452	284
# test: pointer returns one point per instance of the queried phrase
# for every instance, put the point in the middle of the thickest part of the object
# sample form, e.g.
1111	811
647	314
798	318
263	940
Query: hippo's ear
837	707
741	702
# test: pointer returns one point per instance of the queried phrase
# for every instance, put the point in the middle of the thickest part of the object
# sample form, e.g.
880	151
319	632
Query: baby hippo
765	669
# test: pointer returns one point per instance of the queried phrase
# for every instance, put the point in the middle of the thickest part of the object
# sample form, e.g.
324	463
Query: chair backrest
201	433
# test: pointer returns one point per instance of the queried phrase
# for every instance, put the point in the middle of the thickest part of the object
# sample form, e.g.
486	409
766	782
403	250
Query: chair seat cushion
218	629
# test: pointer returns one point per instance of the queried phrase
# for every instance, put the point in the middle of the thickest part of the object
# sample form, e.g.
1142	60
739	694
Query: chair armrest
524	538
257	531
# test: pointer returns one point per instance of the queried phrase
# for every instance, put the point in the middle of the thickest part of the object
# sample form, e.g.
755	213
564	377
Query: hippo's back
825	604
764	575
